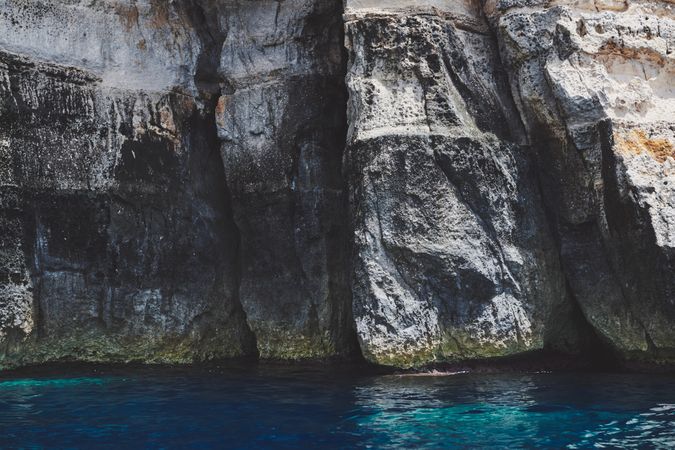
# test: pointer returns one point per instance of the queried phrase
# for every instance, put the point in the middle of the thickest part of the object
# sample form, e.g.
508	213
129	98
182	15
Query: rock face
594	85
118	240
420	182
453	256
281	122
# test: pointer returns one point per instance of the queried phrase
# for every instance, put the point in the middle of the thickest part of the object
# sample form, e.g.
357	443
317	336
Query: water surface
291	407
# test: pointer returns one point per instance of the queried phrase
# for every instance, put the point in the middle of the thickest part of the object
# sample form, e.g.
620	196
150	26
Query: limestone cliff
417	182
594	84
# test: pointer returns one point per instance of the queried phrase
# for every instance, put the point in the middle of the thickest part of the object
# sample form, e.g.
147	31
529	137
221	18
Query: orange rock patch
220	110
160	15
128	16
611	48
637	142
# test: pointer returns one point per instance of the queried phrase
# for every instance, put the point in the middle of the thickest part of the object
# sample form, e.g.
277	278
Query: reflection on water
547	411
416	412
29	383
300	407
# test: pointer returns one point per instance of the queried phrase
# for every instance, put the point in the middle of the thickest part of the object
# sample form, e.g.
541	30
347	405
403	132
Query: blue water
296	407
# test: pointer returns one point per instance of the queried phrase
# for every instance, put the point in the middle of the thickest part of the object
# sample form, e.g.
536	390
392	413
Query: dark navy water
300	407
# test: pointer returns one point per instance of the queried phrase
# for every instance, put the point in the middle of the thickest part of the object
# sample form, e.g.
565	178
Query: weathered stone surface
453	257
118	242
594	85
122	235
281	121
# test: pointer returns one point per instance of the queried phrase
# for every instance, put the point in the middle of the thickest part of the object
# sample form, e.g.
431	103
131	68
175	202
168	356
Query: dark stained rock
281	120
116	221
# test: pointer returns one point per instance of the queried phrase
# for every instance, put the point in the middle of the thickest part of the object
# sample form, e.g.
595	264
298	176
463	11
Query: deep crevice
204	16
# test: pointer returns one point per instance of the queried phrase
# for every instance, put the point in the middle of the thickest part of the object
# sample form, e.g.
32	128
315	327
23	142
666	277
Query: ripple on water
654	428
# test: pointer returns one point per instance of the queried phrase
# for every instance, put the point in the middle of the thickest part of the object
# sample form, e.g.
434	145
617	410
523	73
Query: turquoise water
300	407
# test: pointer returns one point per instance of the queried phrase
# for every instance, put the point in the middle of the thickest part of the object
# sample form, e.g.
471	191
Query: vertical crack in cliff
346	326
205	18
326	144
341	240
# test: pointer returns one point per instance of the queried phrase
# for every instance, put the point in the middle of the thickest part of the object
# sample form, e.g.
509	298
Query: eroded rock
593	82
118	242
453	257
281	121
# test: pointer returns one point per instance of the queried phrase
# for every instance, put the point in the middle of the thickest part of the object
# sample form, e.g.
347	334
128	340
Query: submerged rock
423	182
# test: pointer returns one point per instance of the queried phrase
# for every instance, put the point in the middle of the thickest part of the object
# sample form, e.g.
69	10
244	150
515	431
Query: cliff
422	182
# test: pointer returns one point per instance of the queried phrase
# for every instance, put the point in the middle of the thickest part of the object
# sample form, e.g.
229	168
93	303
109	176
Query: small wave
654	428
433	373
662	408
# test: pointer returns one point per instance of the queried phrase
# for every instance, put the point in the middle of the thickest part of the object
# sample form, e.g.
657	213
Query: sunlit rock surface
418	182
594	83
